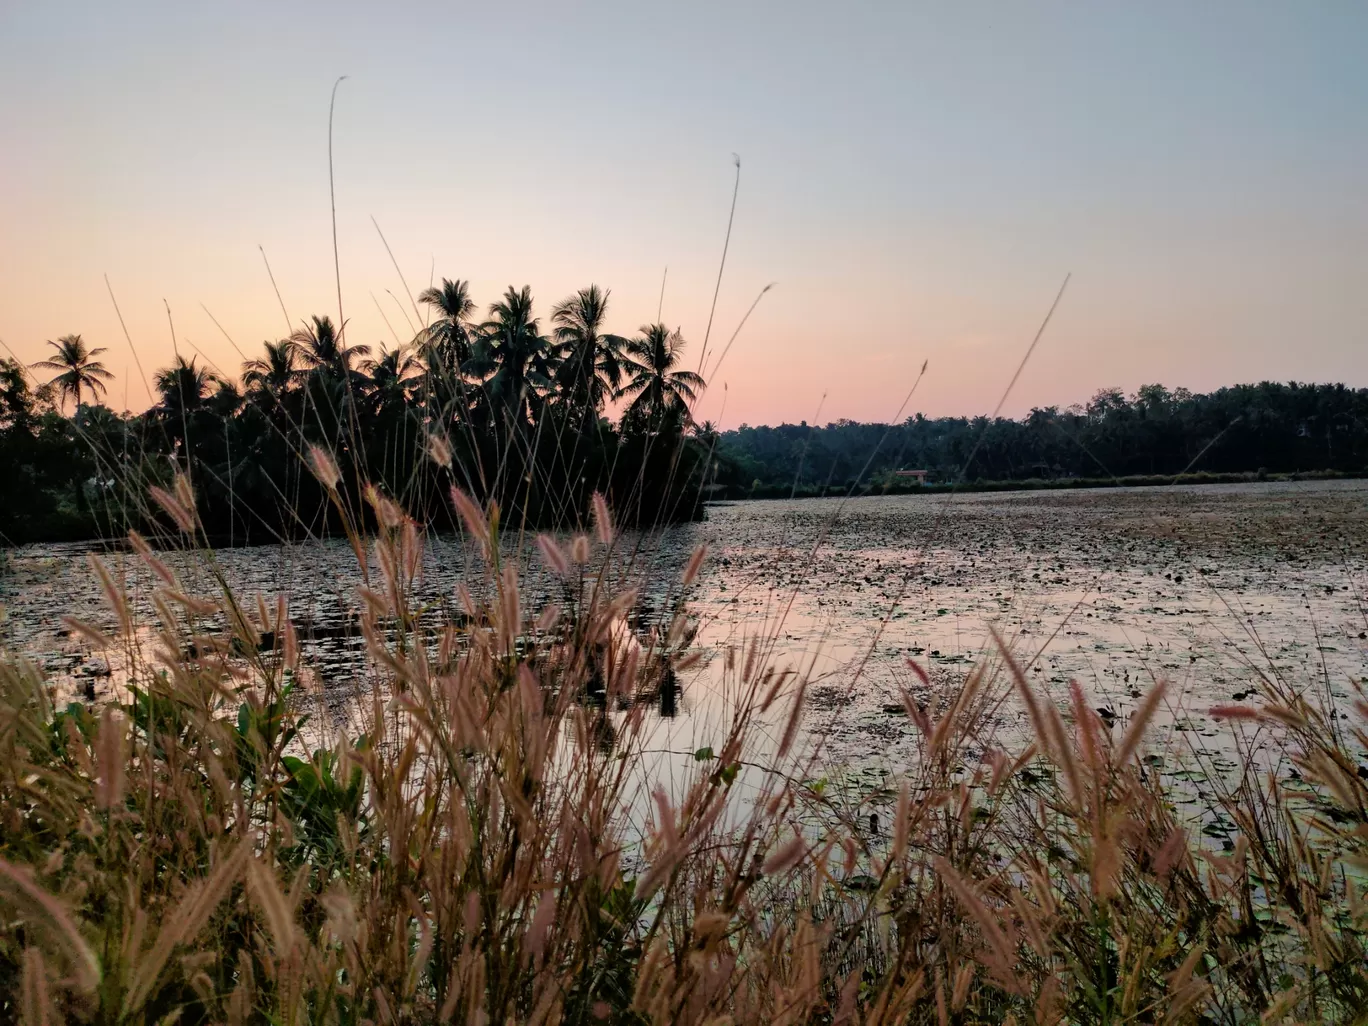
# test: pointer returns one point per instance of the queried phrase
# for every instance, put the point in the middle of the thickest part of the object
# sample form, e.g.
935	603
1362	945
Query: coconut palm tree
385	388
512	355
267	378
707	434
450	334
321	349
332	380
589	361
660	394
79	368
271	382
183	388
226	400
445	348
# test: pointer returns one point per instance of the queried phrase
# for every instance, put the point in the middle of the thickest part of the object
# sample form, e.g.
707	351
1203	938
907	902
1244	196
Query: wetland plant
485	838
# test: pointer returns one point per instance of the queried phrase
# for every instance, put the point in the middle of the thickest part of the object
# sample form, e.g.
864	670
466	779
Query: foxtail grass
486	839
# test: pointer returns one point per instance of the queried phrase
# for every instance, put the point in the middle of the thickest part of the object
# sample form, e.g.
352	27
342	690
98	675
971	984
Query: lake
1205	586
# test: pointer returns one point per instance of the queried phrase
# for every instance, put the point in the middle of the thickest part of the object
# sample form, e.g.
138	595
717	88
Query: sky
917	179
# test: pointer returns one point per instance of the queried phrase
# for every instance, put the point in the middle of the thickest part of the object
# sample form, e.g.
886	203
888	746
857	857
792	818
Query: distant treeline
499	407
1232	433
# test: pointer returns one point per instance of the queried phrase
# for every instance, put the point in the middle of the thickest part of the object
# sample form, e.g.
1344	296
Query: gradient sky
917	178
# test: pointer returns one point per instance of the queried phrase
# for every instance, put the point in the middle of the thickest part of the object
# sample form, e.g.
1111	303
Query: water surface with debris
1203	586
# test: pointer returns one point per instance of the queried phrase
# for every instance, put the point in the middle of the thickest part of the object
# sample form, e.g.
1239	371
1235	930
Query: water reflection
669	696
1111	588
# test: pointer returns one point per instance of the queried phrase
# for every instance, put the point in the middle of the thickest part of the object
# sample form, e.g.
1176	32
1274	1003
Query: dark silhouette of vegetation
518	414
79	369
661	394
523	415
1154	435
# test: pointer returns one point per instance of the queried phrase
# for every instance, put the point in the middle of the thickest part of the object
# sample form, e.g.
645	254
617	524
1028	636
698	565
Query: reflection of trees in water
669	695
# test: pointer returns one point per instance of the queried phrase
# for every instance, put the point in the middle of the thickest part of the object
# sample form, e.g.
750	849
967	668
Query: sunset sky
917	179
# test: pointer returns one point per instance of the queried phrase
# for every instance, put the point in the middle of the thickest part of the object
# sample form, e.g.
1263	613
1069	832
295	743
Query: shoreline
770	493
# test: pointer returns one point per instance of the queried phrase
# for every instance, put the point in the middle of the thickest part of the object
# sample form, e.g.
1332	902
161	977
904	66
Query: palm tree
226	400
78	366
511	354
267	378
332	380
445	348
183	388
386	386
589	367
661	394
450	334
707	434
322	349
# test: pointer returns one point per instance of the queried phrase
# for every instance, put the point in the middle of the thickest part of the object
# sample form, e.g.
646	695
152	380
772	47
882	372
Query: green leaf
703	755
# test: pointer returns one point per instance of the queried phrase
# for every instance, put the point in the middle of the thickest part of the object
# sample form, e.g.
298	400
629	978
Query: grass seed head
439	450
603	519
324	468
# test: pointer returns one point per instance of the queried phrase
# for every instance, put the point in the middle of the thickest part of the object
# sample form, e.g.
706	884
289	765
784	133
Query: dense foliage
518	412
1269	427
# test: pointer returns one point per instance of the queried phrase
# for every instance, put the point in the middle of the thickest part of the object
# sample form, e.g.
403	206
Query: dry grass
473	851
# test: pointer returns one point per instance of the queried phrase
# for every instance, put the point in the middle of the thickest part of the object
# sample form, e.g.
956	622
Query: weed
477	847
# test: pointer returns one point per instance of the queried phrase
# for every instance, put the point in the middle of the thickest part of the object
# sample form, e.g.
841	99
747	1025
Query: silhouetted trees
1277	428
661	394
521	413
80	371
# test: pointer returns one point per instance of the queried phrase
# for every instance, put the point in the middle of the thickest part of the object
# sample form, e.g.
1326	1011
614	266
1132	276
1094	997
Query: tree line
1270	427
508	409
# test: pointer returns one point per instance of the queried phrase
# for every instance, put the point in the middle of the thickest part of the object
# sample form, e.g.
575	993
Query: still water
1203	586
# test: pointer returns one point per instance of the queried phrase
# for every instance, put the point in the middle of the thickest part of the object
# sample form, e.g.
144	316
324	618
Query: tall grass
489	840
